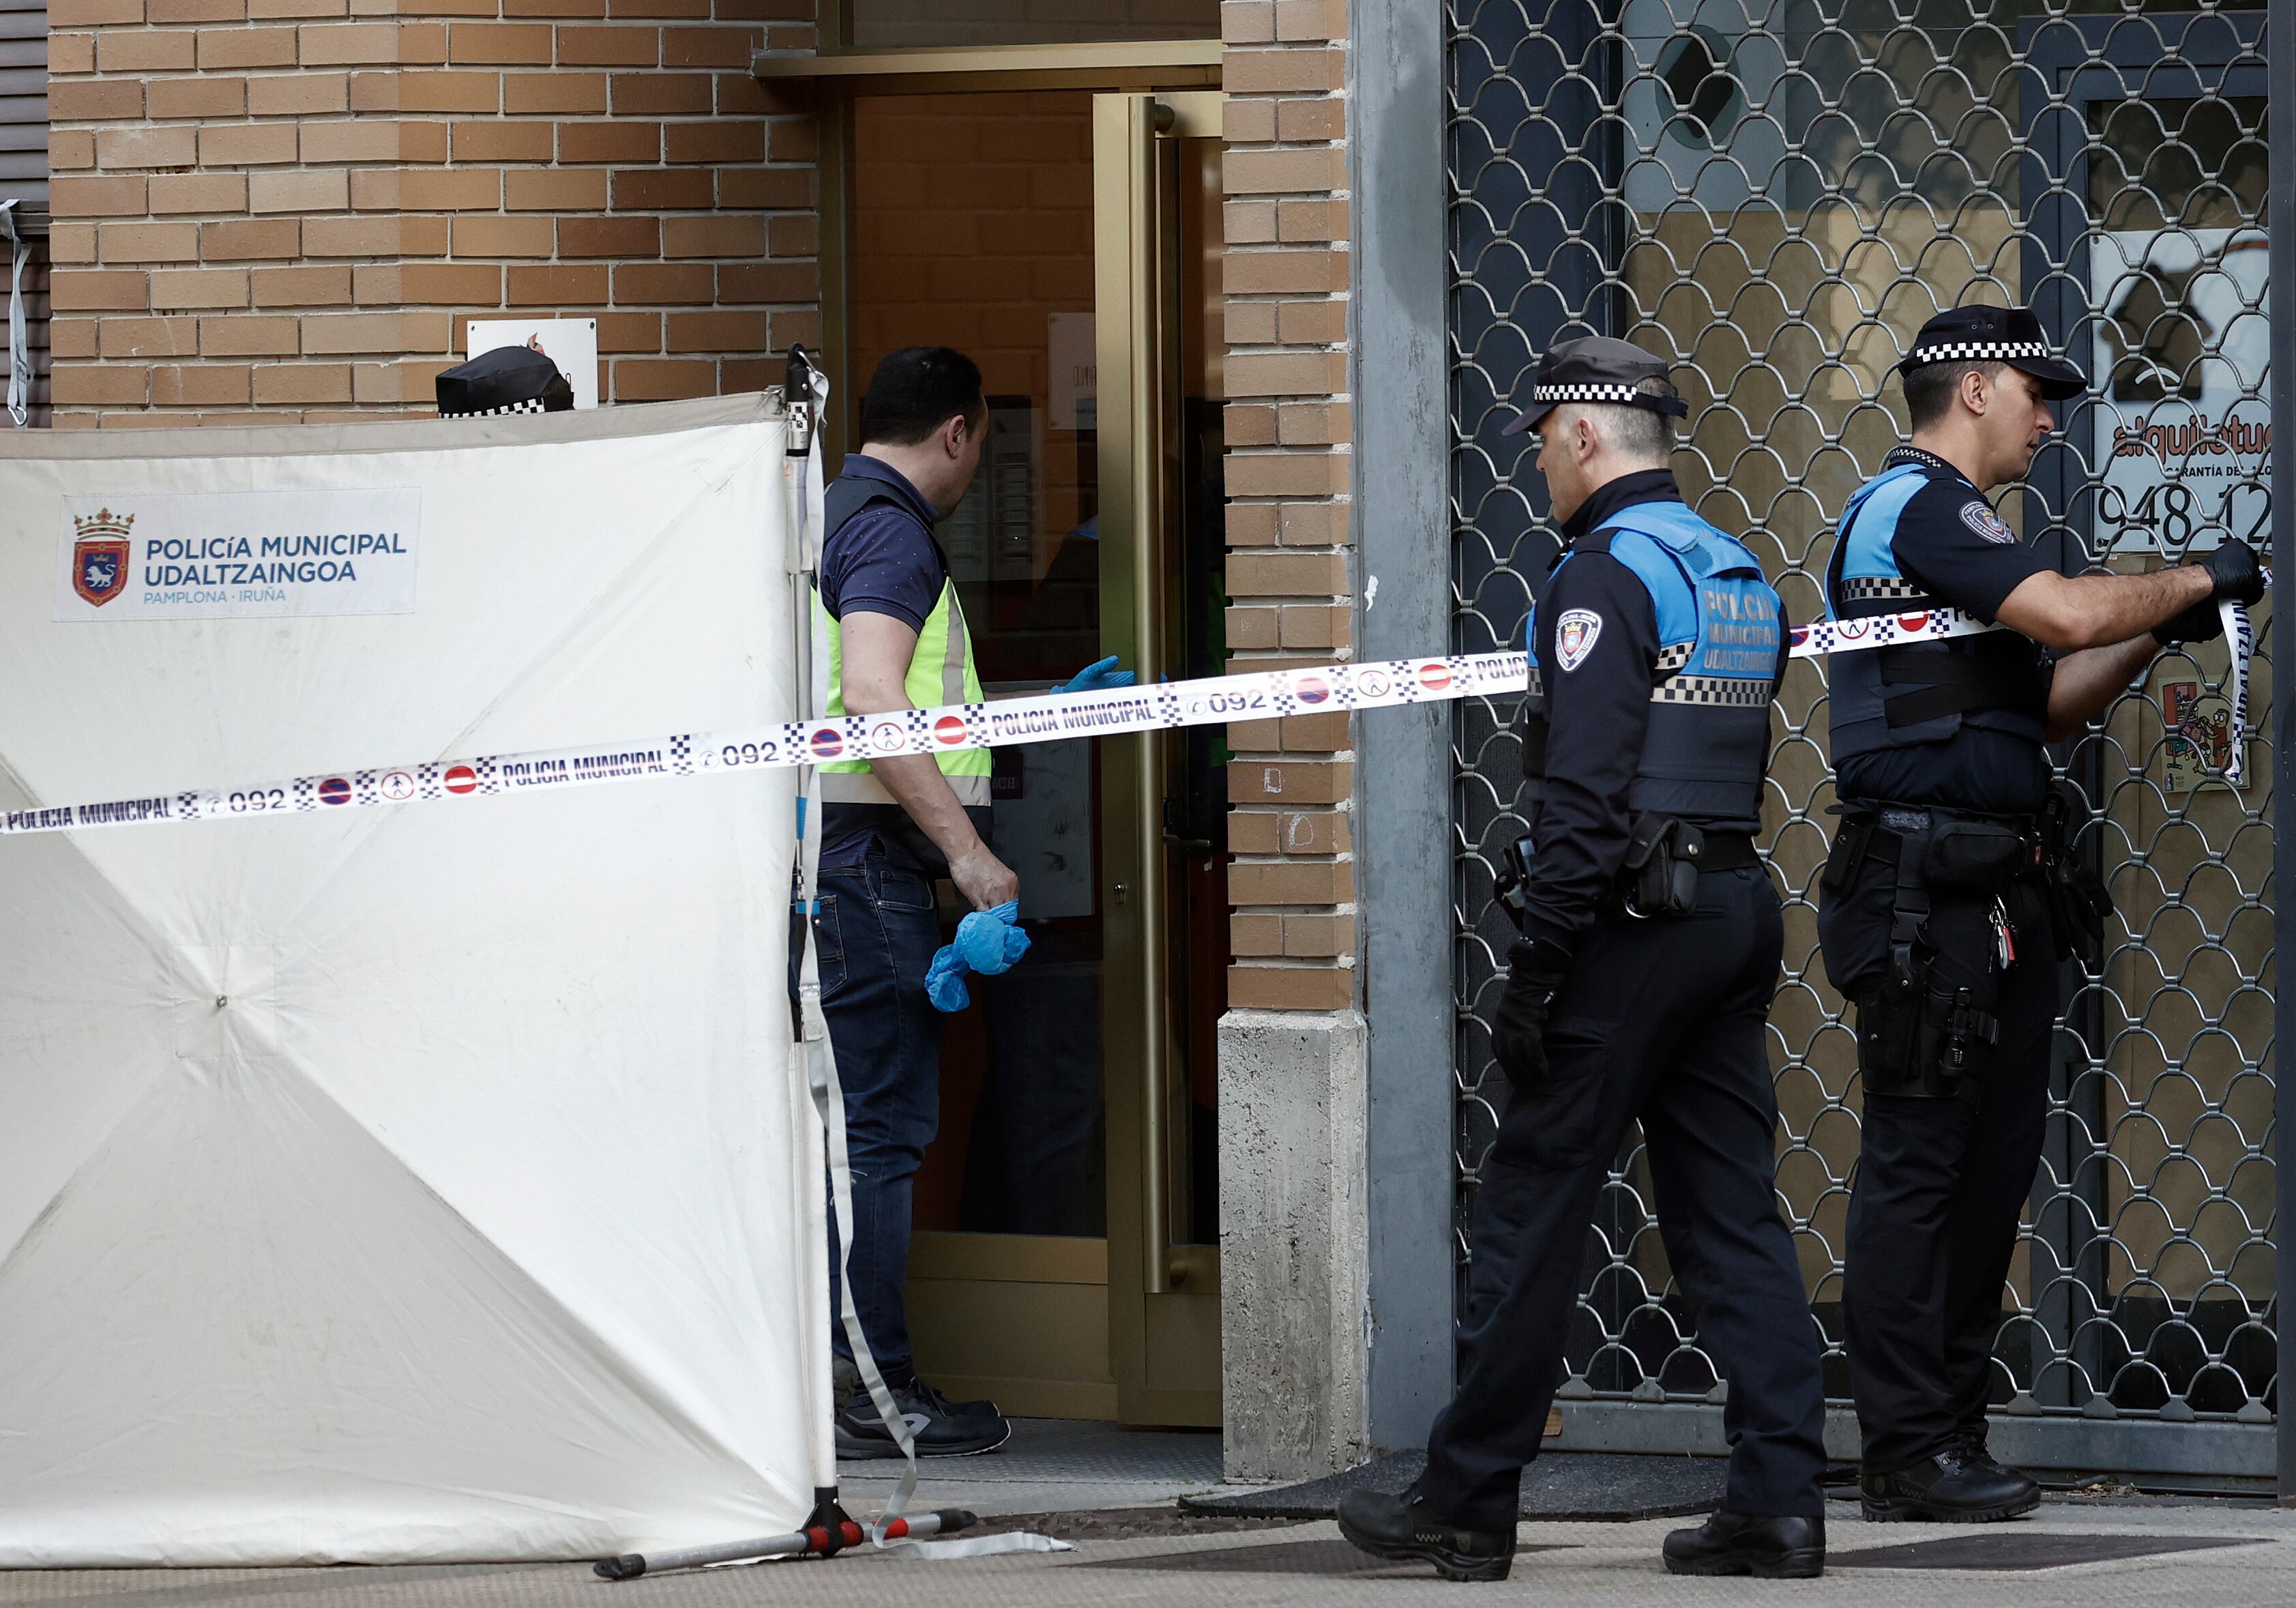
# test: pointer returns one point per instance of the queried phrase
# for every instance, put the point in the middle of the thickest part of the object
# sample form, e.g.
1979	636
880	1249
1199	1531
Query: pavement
1051	1465
1113	1493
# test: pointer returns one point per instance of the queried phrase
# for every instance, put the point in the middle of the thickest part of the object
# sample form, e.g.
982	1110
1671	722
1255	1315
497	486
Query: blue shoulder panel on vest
1871	520
1675	546
1662	571
1706	587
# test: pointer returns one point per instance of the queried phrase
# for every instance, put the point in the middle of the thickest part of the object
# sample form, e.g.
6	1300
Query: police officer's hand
1535	974
2200	623
2233	567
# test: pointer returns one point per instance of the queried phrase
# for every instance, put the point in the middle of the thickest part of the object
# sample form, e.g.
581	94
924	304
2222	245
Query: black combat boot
1786	1547
1950	1488
1969	1441
1402	1527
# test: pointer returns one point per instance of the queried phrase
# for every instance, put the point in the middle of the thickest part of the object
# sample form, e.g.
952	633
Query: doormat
2019	1551
1326	1555
1559	1485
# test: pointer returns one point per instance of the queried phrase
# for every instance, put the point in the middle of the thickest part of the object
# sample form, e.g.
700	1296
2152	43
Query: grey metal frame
2280	34
1403	827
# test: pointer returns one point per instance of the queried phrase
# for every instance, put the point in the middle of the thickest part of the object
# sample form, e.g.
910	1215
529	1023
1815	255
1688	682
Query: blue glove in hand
988	941
1093	678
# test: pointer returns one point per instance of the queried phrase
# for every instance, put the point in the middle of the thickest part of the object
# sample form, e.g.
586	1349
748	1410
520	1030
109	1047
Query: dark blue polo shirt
883	559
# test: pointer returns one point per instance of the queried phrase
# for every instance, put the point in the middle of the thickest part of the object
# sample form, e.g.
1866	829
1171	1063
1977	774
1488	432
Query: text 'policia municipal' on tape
1213	700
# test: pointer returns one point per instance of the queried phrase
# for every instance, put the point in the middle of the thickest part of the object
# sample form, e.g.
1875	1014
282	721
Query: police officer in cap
1950	897
1638	989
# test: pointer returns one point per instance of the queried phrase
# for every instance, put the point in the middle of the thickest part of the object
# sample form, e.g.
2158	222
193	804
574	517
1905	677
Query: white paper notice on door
1072	367
225	554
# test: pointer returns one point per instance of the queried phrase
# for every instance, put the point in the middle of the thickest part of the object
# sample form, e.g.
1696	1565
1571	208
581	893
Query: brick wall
1288	568
281	208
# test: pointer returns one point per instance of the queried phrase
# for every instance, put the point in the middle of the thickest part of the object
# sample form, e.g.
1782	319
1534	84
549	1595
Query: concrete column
1294	1242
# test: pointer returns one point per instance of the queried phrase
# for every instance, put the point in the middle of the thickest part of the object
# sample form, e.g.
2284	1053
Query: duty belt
1728	851
1879	831
1717	852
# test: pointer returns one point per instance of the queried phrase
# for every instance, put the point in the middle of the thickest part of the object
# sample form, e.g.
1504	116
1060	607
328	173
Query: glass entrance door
1157	224
1075	1091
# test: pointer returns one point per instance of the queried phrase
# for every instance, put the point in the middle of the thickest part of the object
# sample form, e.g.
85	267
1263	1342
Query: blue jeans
876	934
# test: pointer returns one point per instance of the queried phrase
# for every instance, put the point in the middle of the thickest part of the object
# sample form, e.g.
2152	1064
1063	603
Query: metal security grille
1776	193
24	103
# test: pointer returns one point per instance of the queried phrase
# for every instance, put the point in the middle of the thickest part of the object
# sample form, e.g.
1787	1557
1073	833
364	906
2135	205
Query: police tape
1043	718
2239	638
1880	630
1046	717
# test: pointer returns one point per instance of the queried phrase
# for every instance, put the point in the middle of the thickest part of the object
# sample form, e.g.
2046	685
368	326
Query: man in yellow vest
890	634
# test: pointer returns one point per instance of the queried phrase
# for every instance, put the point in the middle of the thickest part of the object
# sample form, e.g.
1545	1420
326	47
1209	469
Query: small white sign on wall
571	343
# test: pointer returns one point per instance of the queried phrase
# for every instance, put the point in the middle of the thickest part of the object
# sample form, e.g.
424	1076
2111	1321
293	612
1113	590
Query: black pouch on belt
1848	851
1974	856
1661	873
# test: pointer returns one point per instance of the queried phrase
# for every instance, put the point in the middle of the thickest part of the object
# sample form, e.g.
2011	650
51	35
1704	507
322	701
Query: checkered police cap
532	405
1595	368
1989	334
508	379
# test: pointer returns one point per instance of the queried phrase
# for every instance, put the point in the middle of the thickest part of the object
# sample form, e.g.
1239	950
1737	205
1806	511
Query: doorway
1066	1256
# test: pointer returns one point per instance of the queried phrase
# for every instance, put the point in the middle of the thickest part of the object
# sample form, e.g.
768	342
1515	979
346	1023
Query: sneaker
1951	1488
1405	1529
1781	1548
845	1383
940	1427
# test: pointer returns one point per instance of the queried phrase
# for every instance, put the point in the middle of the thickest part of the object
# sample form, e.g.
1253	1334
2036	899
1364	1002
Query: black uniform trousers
1664	1020
1941	1181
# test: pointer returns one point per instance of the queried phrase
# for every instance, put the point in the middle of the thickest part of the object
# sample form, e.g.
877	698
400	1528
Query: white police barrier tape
1212	702
2240	636
1047	717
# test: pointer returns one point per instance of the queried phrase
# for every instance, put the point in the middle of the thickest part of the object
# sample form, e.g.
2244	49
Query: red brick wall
277	209
1289	565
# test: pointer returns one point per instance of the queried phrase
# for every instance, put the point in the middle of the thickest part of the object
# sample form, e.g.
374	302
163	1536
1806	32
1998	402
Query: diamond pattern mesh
1775	195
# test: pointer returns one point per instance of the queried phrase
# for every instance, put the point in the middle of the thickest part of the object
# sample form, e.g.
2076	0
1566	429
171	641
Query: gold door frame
1145	1310
1163	1297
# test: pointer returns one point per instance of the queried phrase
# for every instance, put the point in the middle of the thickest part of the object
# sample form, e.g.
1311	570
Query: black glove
2234	568
2200	623
1535	974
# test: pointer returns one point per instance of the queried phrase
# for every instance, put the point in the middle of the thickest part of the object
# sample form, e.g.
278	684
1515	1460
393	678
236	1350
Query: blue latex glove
988	941
1093	678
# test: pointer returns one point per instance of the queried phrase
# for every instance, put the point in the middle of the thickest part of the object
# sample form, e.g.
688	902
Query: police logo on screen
1574	637
185	555
1981	518
99	570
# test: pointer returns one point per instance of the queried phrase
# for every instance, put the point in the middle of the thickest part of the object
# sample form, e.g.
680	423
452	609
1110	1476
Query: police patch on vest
1574	635
1988	524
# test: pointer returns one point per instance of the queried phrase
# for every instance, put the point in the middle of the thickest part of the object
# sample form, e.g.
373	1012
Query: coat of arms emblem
100	556
1574	637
